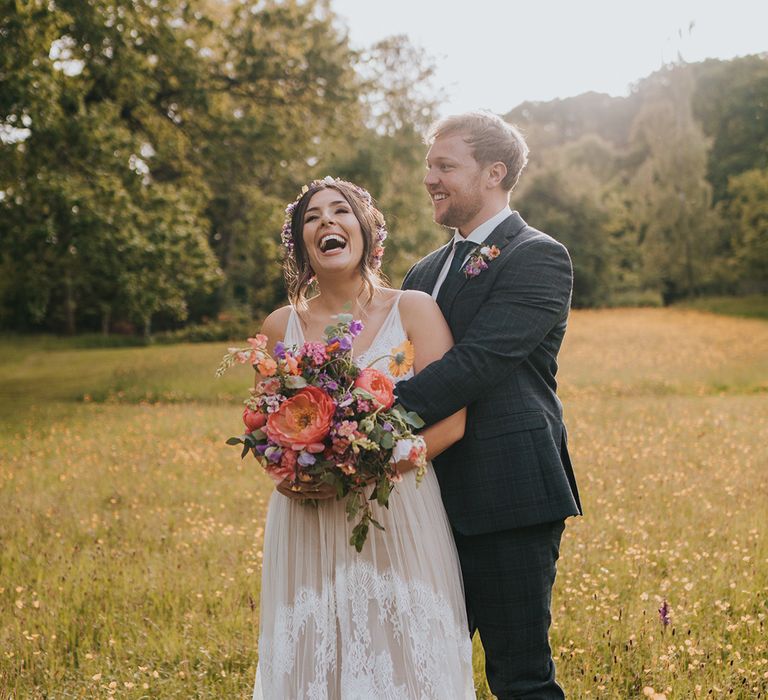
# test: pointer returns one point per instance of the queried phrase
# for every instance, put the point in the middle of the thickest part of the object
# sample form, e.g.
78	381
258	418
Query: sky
495	54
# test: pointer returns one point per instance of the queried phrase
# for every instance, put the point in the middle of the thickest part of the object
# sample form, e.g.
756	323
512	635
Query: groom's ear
496	173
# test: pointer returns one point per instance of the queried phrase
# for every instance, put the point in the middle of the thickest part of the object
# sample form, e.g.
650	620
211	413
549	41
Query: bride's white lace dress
386	623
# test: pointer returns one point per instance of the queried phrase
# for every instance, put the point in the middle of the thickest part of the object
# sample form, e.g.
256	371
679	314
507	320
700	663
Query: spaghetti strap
293	333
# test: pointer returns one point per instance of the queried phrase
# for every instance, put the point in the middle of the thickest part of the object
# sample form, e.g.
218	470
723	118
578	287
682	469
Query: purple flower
664	613
355	328
345	342
324	380
388	427
273	454
280	350
306	459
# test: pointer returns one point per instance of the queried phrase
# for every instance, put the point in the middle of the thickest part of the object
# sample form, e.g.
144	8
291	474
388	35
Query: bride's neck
336	295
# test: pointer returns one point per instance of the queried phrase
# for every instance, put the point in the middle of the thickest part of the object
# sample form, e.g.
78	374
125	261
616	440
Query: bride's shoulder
417	307
275	324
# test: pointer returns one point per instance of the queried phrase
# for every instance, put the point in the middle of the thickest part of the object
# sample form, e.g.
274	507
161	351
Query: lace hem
408	618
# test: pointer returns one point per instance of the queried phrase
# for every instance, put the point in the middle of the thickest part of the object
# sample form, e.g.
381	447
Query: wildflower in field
664	613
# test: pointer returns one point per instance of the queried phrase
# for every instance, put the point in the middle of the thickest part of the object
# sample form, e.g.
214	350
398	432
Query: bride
390	621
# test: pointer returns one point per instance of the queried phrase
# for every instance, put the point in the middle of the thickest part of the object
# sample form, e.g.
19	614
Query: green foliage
746	210
148	149
670	196
731	100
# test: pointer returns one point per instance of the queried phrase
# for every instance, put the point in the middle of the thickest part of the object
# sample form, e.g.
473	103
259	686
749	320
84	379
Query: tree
747	213
670	196
731	100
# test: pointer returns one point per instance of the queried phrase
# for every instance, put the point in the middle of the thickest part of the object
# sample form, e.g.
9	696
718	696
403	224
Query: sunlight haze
494	55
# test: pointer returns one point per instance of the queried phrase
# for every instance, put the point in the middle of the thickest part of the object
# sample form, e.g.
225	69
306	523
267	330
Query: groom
508	485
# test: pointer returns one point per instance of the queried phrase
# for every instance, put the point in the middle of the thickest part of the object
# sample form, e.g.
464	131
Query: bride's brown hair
297	270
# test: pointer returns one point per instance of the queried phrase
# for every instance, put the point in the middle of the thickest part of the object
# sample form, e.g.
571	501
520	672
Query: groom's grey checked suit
508	484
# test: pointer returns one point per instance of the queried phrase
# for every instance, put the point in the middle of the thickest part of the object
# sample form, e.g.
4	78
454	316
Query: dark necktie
460	251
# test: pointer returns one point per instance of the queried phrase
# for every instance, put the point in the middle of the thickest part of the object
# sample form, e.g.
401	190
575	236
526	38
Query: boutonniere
479	260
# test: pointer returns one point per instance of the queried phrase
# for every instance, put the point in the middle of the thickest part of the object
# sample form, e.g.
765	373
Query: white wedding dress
386	623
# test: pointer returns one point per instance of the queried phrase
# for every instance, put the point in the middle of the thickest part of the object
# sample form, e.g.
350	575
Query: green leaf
387	441
234	441
414	419
359	535
383	489
352	507
376	524
363	394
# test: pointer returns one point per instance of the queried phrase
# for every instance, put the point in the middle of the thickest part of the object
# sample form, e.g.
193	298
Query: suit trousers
508	579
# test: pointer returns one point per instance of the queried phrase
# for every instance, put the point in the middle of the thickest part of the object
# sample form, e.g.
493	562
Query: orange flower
266	366
402	359
291	365
377	385
303	421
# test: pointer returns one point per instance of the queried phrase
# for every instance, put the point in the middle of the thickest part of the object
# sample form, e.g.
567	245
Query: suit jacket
512	467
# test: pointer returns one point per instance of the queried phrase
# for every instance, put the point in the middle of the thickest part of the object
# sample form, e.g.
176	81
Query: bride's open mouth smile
332	242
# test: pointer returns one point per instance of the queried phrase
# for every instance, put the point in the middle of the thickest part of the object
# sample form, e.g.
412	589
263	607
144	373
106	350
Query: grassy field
130	535
751	306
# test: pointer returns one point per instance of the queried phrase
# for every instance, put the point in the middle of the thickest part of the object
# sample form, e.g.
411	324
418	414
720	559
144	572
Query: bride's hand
308	490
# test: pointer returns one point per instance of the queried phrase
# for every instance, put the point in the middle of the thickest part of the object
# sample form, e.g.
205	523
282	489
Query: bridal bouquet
314	416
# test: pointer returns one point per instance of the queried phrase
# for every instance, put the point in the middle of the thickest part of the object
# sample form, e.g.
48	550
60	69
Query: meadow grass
749	306
130	536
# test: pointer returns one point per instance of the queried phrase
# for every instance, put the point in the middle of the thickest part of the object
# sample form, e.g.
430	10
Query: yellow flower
402	359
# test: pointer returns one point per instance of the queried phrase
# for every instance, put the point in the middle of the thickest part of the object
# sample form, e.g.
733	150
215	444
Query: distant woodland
148	149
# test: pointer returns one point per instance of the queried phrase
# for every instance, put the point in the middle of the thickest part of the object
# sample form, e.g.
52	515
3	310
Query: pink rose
377	385
253	420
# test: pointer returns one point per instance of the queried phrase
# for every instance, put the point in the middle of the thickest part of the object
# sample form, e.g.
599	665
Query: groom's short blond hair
491	139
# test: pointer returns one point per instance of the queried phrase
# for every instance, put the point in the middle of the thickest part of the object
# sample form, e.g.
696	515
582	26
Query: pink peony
303	421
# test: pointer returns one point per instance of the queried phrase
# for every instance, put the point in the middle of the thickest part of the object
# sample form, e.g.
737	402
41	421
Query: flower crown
381	230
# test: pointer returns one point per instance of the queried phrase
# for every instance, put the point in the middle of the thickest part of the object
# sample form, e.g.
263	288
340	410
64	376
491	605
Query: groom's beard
463	207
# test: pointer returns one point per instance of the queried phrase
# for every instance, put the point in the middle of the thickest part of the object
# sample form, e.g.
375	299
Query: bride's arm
428	331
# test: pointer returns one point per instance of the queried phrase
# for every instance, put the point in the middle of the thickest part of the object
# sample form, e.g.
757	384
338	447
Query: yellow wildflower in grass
401	359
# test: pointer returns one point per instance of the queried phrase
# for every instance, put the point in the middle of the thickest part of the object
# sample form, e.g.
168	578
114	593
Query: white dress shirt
477	236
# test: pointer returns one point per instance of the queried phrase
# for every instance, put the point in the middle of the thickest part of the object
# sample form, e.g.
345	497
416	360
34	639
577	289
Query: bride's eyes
339	210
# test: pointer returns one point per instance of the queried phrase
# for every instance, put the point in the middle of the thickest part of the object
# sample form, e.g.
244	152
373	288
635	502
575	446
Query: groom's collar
485	229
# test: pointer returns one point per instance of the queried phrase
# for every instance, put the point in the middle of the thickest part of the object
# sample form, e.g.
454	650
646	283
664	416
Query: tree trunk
147	327
69	303
106	314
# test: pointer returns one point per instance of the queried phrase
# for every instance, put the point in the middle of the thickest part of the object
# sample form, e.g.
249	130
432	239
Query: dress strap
293	333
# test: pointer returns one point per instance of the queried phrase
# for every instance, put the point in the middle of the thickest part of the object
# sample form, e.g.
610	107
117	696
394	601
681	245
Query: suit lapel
428	277
499	237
